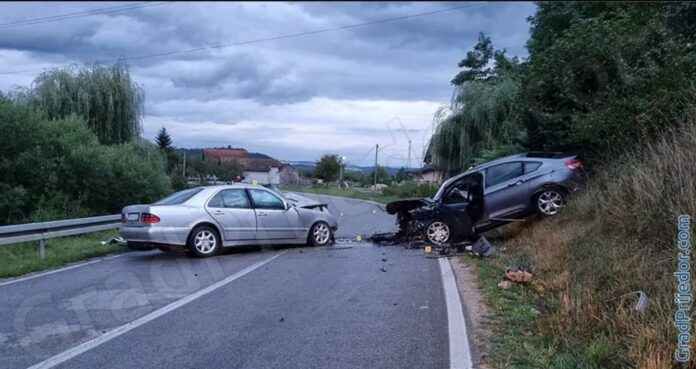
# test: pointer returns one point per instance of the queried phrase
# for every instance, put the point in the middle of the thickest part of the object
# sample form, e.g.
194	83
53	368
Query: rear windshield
179	197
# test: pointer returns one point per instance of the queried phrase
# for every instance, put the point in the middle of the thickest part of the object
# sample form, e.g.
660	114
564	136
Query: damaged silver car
490	195
203	220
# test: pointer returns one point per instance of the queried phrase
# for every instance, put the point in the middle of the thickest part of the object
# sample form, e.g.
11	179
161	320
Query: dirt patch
475	311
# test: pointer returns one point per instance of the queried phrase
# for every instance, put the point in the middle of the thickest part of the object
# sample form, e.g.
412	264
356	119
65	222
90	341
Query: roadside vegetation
612	82
393	192
23	258
70	146
612	241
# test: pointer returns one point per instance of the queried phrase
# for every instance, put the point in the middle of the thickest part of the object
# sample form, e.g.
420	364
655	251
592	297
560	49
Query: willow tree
105	96
482	121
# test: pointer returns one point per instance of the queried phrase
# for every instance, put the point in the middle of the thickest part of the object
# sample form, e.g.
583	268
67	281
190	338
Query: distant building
256	167
428	174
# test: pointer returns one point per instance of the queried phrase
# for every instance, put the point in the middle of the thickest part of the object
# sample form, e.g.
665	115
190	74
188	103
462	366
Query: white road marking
459	349
37	275
108	336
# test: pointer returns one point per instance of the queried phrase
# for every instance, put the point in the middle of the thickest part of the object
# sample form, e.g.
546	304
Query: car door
462	202
505	189
275	220
232	209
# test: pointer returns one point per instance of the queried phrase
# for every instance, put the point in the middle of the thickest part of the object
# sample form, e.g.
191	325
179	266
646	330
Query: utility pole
340	171
376	152
408	165
184	172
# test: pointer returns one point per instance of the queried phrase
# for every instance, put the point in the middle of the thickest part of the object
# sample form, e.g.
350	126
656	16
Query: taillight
148	218
573	164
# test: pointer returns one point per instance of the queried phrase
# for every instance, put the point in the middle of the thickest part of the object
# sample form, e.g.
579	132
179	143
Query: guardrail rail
43	231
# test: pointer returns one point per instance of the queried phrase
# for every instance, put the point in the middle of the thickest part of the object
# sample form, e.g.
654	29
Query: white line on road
77	350
459	349
37	275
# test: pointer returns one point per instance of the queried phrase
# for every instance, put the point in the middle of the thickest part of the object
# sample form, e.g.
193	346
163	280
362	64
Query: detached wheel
549	202
320	234
204	241
438	232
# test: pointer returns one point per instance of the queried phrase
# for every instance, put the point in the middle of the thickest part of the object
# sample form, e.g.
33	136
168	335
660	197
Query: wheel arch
209	224
548	186
309	230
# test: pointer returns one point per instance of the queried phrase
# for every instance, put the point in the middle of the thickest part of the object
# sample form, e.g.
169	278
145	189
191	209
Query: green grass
517	339
334	191
22	258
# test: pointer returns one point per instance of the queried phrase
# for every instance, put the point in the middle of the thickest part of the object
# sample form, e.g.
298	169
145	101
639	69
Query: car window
503	172
458	194
266	200
234	199
531	166
179	197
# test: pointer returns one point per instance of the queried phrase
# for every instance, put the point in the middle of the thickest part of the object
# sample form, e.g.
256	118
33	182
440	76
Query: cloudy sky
294	98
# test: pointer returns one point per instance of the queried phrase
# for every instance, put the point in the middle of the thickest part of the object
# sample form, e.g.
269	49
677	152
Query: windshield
179	197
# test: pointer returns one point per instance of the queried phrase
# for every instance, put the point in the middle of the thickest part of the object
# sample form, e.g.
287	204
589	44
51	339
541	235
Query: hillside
591	264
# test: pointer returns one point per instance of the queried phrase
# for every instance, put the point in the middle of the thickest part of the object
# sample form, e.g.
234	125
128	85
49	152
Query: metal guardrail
60	228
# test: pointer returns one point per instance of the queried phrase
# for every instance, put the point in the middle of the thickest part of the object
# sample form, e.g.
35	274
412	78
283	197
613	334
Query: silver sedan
206	219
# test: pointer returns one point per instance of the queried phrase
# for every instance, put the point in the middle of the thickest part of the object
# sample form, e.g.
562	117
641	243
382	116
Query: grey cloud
409	60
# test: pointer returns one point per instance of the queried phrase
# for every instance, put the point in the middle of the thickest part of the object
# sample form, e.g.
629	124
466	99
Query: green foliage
600	77
603	76
411	189
223	171
382	175
105	96
401	175
485	121
22	258
57	168
327	168
164	140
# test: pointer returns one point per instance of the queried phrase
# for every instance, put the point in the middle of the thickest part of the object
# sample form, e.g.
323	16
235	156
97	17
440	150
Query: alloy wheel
550	202
321	234
205	242
438	232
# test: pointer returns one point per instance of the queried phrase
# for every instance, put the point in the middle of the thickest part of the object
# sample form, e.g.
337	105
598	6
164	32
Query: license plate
133	217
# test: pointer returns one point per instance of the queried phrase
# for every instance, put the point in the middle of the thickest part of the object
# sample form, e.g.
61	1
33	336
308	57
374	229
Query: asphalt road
352	305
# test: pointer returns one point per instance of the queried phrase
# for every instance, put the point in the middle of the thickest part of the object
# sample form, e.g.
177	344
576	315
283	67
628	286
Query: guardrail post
42	248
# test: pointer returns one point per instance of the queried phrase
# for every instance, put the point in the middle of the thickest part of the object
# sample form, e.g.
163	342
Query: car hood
302	201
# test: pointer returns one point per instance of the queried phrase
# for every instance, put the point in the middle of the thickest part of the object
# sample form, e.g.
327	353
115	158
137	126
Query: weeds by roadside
612	241
22	258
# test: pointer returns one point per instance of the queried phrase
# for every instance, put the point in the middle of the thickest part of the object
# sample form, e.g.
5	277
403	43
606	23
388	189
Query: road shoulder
476	312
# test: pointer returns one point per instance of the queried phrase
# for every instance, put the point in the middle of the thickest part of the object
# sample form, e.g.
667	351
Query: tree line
70	146
600	77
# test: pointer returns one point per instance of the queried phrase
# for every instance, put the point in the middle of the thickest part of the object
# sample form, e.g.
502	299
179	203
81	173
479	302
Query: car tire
320	234
438	232
549	201
204	241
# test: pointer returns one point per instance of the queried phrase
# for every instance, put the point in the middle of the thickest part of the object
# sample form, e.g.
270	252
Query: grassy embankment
613	240
22	258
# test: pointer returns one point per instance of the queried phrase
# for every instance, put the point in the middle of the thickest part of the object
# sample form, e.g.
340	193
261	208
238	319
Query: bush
615	239
57	168
411	189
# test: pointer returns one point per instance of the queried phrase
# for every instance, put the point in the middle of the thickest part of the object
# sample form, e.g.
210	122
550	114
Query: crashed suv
490	195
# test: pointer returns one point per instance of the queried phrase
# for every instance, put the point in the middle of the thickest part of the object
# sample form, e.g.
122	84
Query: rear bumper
155	235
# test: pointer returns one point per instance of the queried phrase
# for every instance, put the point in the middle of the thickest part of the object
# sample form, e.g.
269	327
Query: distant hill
306	166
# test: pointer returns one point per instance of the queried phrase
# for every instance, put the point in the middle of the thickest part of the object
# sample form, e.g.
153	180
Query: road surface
353	305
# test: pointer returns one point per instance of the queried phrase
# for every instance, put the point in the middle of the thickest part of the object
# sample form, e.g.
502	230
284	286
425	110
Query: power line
279	37
80	14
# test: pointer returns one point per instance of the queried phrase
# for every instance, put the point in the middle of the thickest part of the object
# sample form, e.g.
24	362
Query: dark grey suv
492	194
